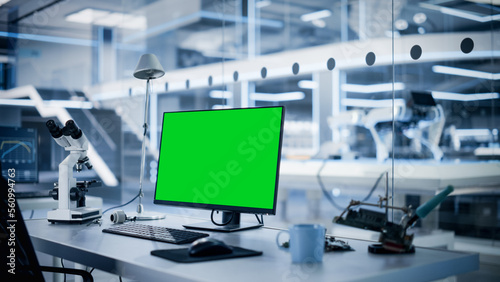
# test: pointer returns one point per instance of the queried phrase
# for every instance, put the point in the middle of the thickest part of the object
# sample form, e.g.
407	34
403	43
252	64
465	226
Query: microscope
69	192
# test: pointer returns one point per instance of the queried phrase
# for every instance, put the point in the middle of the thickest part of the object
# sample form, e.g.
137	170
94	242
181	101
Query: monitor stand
234	225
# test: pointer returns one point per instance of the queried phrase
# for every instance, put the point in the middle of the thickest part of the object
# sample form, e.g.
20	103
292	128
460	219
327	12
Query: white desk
130	257
47	203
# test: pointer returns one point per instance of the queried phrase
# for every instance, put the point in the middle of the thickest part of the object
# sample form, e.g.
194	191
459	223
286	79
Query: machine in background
394	237
422	122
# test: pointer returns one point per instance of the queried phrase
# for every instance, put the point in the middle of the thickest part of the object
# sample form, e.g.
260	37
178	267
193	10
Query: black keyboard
156	233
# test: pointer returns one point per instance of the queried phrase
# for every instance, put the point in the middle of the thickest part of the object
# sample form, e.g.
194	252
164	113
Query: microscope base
75	215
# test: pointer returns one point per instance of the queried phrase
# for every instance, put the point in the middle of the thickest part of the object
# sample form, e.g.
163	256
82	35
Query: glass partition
392	98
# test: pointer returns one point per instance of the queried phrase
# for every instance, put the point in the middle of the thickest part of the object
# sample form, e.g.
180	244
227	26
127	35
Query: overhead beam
347	55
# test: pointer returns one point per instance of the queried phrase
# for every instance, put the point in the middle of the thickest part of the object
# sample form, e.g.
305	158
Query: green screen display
221	159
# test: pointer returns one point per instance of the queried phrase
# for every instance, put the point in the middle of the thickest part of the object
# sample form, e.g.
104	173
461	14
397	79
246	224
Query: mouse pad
181	255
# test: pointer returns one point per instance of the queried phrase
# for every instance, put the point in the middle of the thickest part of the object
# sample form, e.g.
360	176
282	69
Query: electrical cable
327	195
119	206
62	264
221	224
374	187
261	220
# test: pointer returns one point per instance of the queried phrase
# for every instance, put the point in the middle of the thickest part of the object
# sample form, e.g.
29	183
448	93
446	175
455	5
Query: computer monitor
18	150
222	160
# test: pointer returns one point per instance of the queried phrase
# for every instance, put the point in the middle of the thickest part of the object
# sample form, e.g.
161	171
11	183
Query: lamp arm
143	152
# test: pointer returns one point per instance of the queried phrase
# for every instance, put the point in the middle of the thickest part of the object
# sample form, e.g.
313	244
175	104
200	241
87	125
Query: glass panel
403	87
446	131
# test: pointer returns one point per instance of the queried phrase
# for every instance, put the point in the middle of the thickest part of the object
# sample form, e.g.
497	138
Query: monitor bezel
238	209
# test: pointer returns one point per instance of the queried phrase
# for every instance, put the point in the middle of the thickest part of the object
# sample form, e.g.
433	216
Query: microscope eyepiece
72	129
54	129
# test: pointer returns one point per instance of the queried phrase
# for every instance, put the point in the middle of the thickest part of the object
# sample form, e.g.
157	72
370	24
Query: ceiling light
278	97
86	16
109	19
401	24
48	103
220	107
473	132
307	84
465	72
419	18
319	23
68	104
494	2
469	16
315	15
134	22
263	3
369	103
219	94
438	95
372	88
17	102
462	13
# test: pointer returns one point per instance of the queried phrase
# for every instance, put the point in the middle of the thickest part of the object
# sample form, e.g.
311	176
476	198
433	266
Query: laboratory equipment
394	237
69	193
19	151
148	68
422	122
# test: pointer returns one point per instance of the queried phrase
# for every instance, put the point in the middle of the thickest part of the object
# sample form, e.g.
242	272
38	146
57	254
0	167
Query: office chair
26	263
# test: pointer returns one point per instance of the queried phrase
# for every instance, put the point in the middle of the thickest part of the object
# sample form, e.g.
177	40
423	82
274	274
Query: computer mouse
209	247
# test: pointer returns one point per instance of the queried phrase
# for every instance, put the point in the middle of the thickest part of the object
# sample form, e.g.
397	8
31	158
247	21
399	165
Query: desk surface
130	257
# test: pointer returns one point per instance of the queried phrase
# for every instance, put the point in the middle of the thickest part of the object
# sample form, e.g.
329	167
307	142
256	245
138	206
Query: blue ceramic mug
307	242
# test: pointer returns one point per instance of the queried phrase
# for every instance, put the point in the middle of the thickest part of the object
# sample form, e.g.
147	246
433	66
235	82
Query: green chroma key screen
221	159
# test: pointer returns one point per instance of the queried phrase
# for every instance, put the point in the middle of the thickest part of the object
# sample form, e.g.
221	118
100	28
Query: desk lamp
148	68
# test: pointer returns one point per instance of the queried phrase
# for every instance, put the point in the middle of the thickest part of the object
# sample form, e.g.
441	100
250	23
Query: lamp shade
148	67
